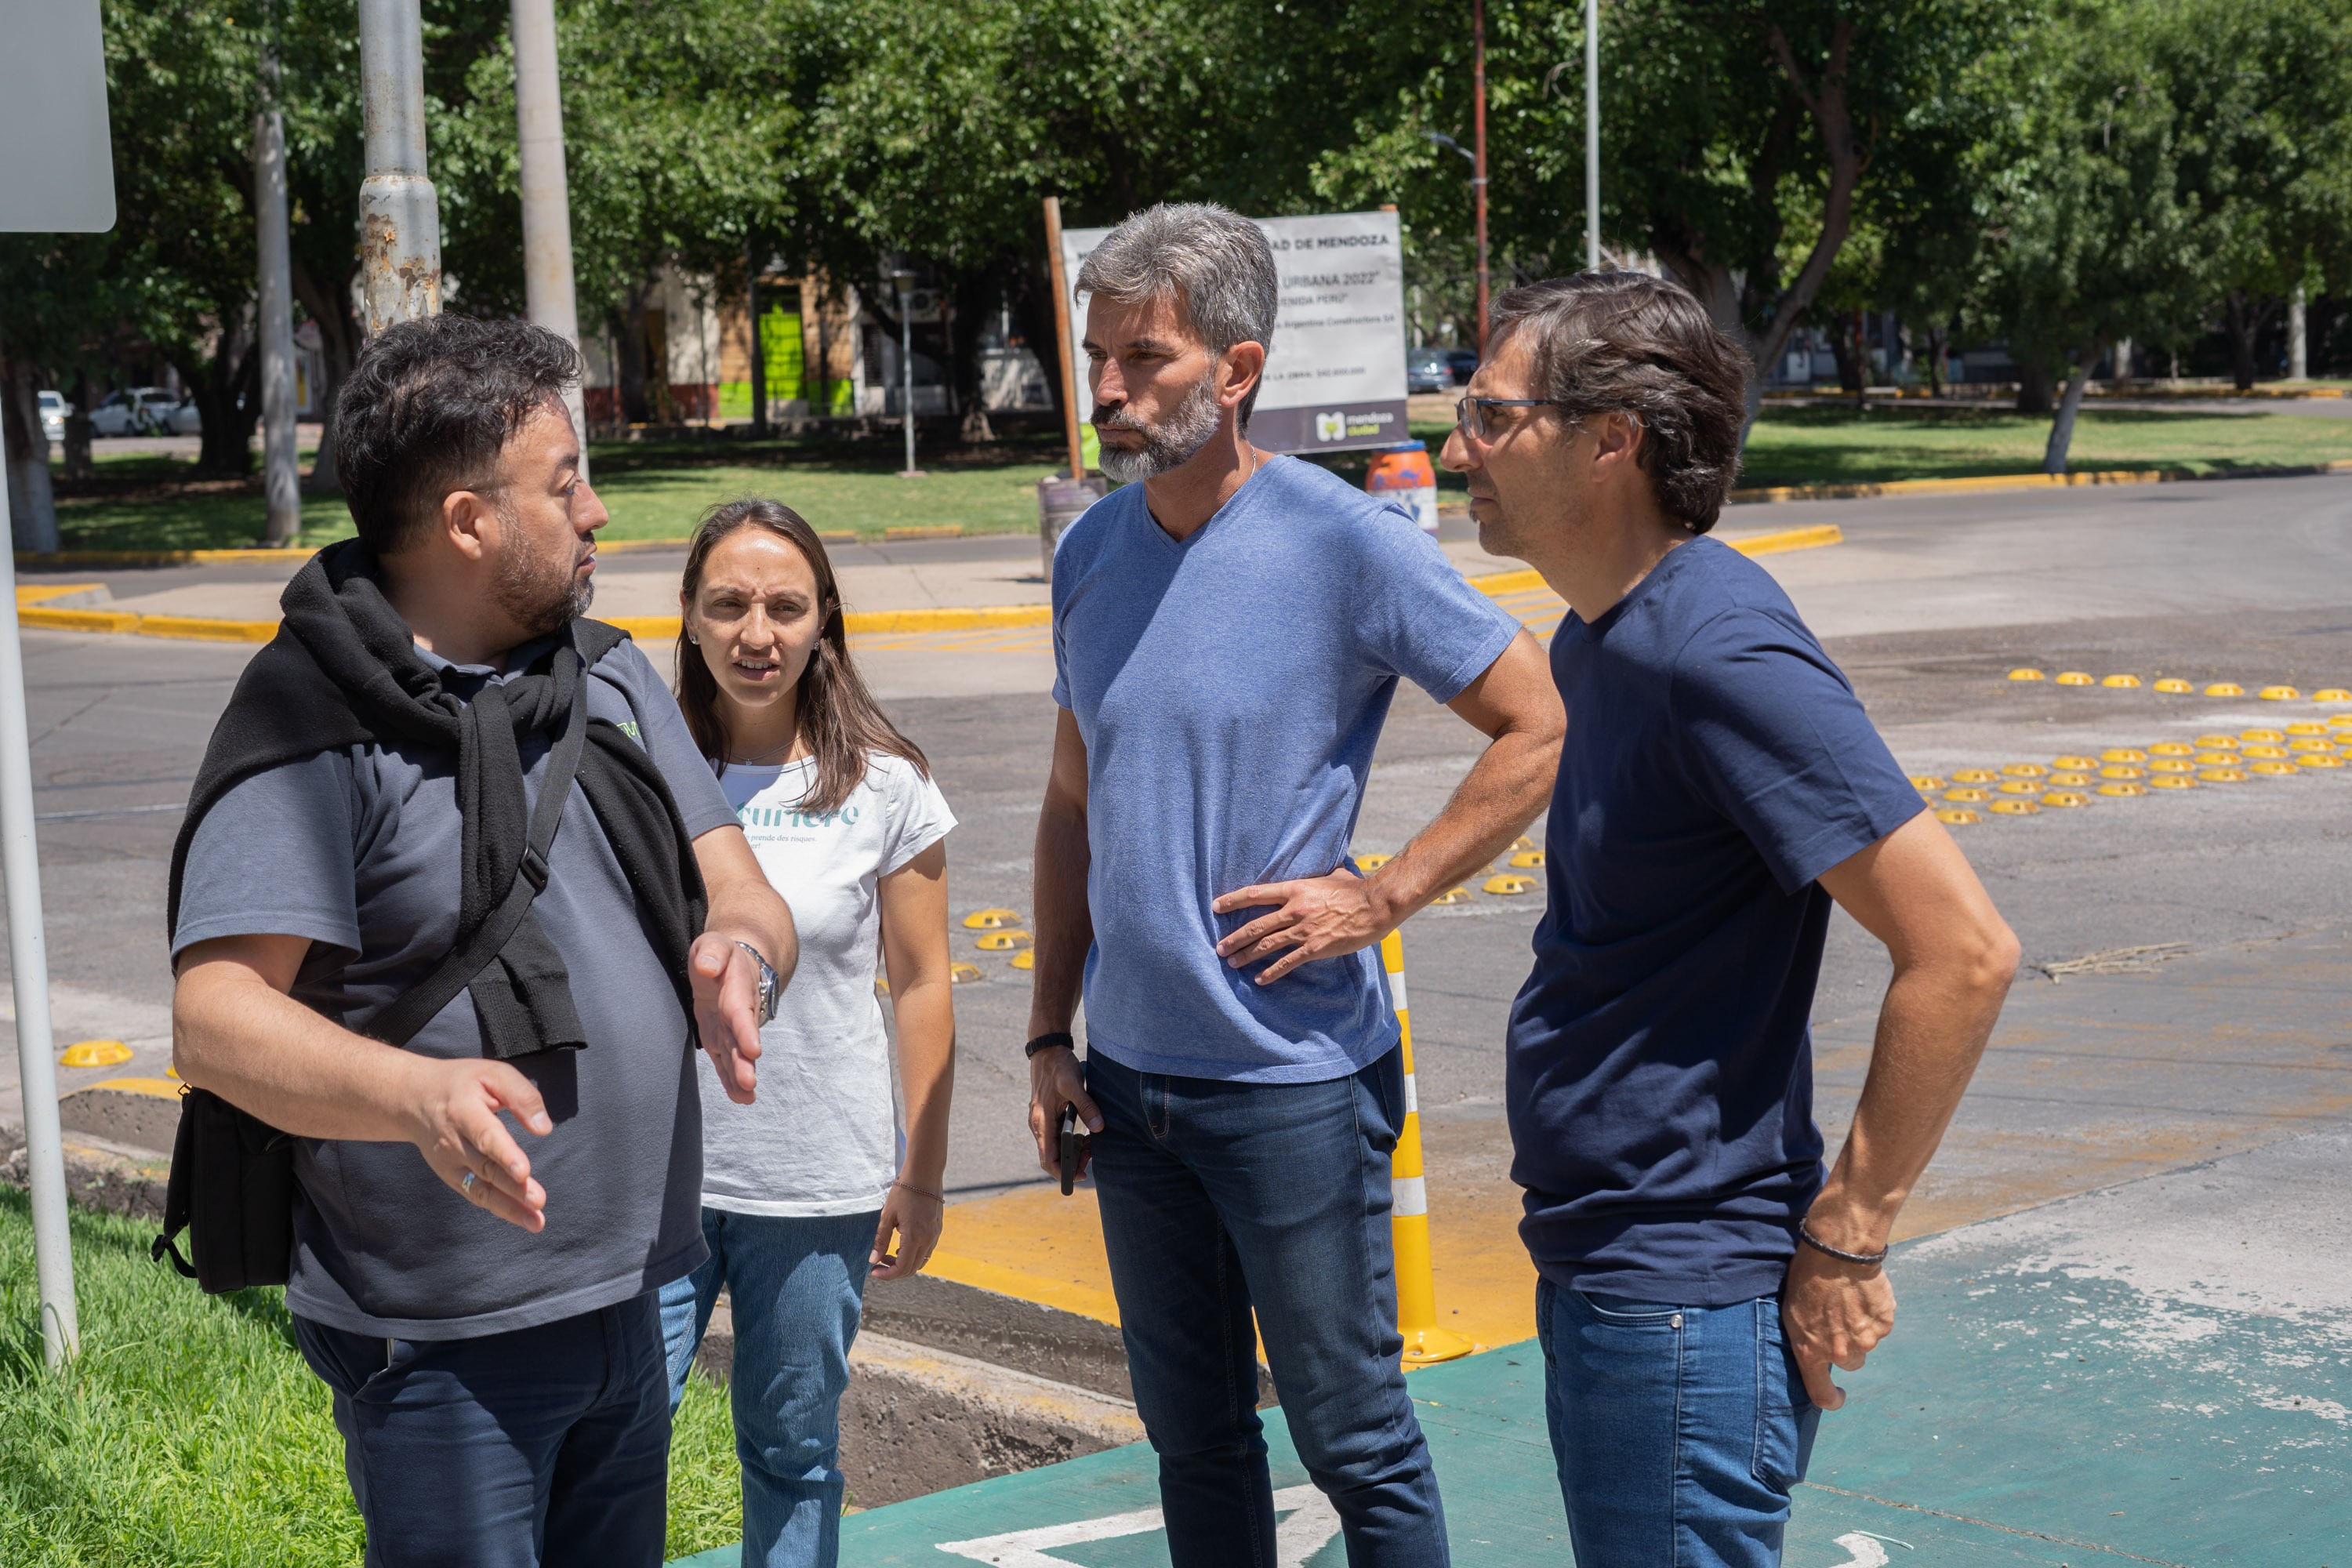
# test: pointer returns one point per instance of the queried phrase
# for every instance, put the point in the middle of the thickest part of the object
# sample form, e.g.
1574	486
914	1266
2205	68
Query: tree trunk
2032	387
2062	428
1935	341
80	465
2239	321
227	394
1841	349
629	333
339	336
32	507
1034	308
973	295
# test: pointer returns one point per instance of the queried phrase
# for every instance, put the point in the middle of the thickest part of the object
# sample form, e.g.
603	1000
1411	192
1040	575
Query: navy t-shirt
1660	1071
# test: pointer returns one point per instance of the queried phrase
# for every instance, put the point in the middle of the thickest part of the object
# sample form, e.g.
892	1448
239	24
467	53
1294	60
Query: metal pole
1478	153
1592	135
758	339
1068	352
2298	350
28	967
281	480
548	293
399	219
906	283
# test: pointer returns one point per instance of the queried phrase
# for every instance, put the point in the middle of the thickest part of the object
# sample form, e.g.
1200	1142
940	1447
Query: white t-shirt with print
822	1137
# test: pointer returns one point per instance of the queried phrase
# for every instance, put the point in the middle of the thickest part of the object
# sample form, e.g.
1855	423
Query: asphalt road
2236	1035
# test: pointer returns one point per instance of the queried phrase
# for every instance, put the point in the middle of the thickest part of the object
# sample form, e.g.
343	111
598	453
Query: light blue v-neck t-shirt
1231	688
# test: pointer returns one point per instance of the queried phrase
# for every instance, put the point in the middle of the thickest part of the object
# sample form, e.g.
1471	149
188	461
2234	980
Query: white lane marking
1312	1525
1410	1194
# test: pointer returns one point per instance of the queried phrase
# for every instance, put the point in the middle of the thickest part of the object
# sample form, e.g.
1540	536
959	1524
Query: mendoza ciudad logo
1331	427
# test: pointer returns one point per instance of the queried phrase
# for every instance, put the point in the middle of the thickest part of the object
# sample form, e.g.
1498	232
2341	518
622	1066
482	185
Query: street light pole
1592	135
1478	152
548	293
399	219
281	480
905	282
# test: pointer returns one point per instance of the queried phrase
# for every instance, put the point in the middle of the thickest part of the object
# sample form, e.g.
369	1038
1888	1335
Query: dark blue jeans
1219	1197
1678	1430
546	1445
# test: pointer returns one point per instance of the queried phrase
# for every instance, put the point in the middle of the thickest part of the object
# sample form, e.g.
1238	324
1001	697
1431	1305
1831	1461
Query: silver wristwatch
771	990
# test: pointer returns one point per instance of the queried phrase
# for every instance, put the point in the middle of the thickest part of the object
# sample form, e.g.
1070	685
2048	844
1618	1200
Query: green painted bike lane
2160	1373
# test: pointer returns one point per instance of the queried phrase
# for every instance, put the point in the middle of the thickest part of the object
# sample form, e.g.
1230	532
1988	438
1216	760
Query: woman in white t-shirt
812	1187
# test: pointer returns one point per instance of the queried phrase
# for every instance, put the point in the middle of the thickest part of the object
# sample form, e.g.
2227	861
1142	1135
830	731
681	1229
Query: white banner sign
1335	375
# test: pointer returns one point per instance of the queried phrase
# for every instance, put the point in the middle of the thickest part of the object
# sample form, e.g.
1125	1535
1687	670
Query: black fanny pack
232	1185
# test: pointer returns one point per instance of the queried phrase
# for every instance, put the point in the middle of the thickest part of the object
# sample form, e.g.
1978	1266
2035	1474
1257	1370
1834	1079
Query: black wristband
1867	1259
1046	1042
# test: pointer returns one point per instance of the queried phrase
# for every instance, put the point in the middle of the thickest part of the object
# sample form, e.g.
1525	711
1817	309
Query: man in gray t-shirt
481	1304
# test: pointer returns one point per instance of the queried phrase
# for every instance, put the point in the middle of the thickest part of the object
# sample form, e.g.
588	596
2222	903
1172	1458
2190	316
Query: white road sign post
1335	377
57	176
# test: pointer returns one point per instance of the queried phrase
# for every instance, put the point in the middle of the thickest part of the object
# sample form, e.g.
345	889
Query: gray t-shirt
359	851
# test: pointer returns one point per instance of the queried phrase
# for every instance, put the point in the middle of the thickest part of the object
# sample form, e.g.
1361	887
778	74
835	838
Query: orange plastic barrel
1404	474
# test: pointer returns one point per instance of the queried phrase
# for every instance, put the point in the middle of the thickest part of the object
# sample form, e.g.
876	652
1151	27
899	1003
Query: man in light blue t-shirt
1227	635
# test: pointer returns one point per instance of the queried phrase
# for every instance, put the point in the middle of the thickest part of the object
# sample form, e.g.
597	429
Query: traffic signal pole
548	292
399	221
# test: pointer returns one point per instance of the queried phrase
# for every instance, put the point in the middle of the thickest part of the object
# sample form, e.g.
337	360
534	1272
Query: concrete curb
1983	482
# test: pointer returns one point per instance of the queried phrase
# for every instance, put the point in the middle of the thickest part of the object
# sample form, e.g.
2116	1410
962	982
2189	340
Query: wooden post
1062	337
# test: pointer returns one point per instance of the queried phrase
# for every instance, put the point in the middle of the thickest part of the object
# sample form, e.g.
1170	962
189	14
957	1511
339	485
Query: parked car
1464	363
1425	370
184	418
54	412
139	411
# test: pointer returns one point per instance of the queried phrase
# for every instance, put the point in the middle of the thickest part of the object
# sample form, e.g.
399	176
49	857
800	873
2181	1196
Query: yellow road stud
2262	737
1953	817
2075	678
2021	787
2225	688
1024	959
1508	885
1925	780
2064	799
2219	743
881	987
2027	673
94	1054
2274	769
2016	807
2318	760
2172	765
1523	842
2171	748
2173	686
2310	743
2265	751
2331	694
1453	896
2075	763
963	974
990	919
1372	862
2172	781
2217	758
1416	1277
1966	794
2123	754
1529	859
2071	778
1004	941
2307	727
2024	770
2122	772
2122	789
2339	721
2222	775
1975	776
2280	694
2121	681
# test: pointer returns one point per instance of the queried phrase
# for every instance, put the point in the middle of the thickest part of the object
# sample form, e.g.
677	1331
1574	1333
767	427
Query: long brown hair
844	725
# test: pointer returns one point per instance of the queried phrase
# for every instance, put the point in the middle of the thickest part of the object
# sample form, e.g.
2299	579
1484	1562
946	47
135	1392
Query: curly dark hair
427	409
1625	342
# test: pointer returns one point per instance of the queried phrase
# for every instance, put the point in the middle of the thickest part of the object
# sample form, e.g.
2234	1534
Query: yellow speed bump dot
2120	681
1975	776
2307	727
1024	959
2274	769
2173	686
2219	743
1372	862
2171	748
1966	794
2075	763
964	973
2318	760
2331	694
2172	765
1926	782
1954	818
2027	673
990	919
2121	773
2015	807
2075	678
2021	786
2310	743
1004	941
1453	896
2262	737
2264	753
2339	721
2217	758
1527	860
1508	885
2172	781
94	1054
1523	842
2280	694
2225	688
2071	778
2122	789
2064	799
2222	775
2123	754
2024	770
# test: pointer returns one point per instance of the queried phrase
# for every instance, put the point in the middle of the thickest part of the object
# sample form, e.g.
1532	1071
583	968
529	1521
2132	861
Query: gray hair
1212	261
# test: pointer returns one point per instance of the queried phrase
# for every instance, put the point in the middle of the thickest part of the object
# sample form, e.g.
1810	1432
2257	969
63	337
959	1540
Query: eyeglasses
1471	413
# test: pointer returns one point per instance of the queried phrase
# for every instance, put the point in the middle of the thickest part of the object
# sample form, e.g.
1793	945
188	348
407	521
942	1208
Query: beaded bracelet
919	1192
1867	1259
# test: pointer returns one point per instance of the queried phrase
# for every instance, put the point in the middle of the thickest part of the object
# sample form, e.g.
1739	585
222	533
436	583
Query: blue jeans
1679	1430
795	1287
1219	1197
545	1444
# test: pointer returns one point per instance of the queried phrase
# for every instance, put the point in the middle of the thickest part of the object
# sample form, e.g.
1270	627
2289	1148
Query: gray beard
1165	446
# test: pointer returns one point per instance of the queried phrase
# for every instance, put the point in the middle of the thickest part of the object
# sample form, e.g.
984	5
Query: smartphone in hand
1075	1147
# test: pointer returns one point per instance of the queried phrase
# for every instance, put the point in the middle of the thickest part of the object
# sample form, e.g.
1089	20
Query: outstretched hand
1317	917
727	1012
454	1114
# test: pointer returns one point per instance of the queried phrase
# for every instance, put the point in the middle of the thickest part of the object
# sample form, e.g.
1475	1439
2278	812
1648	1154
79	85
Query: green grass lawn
656	491
190	1432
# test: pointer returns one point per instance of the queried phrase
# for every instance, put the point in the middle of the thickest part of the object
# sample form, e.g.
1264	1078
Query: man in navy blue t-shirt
1720	786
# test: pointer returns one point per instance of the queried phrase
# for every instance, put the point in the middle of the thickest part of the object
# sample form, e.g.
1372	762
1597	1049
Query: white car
54	410
140	411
